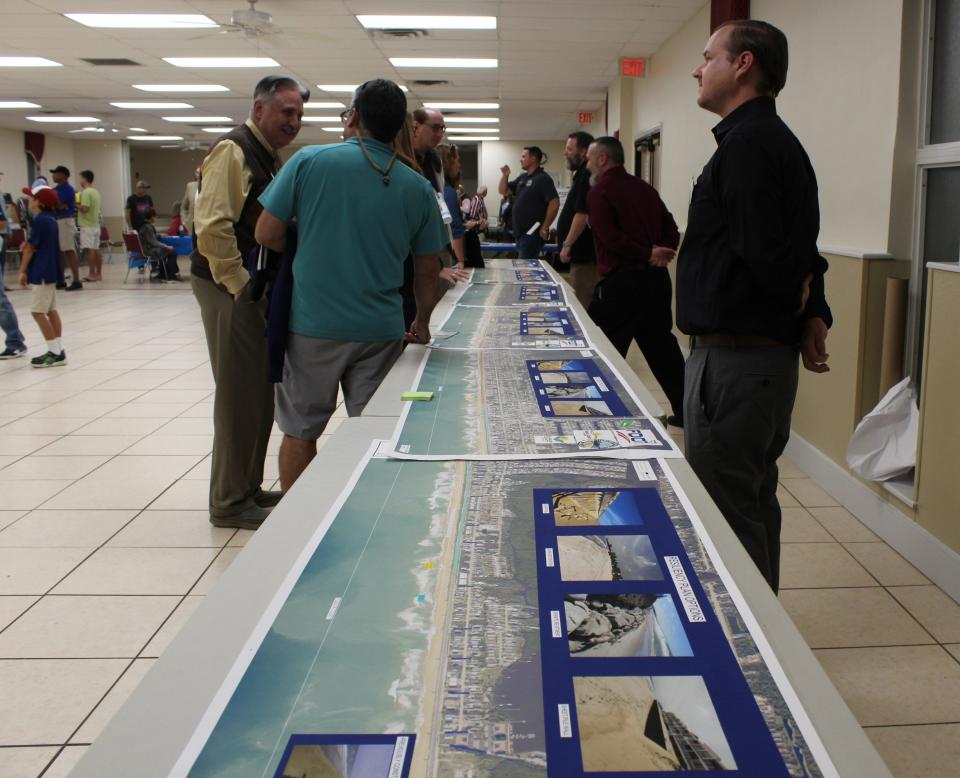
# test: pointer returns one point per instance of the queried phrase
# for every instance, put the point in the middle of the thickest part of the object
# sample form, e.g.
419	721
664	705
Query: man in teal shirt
359	213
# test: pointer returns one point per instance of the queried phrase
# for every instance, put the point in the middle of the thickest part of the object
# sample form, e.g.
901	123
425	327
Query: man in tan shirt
233	175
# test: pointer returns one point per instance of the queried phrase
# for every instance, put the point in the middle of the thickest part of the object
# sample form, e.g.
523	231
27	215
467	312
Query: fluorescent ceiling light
472	120
442	62
150	106
351	88
17	104
320	104
463	106
332	129
28	62
144	21
89	129
154	137
222	62
64	119
474	130
138	129
181	88
392	22
320	119
198	119
218	129
476	137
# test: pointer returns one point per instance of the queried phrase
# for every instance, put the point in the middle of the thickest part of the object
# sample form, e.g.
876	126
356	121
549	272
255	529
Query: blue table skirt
182	243
549	248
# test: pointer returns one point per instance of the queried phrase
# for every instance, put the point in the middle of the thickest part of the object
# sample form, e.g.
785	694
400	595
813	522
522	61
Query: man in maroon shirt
635	238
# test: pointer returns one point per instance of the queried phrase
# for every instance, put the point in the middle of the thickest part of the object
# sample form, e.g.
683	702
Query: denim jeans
528	246
9	323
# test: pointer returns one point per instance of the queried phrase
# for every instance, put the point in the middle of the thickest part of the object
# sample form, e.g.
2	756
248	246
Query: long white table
151	730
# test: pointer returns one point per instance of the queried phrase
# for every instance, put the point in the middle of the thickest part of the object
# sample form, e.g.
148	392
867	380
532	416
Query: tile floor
105	550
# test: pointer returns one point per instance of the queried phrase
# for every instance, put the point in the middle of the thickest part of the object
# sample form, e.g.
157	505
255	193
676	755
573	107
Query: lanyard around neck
385	172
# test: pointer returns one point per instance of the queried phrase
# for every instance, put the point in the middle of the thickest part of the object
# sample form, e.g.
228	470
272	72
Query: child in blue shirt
41	259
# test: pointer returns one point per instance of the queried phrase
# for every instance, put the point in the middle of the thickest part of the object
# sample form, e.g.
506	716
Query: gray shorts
313	370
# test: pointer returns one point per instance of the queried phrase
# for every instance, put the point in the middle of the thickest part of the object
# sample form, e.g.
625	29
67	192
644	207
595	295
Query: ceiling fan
248	21
188	145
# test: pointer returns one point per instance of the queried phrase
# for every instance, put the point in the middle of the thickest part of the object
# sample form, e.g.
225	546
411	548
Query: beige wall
494	154
167	170
13	162
938	488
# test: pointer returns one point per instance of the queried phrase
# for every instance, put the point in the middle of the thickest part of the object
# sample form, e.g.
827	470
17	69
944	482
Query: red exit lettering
633	67
585	117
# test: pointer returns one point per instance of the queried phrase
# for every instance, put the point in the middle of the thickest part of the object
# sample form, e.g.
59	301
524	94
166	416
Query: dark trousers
529	246
471	250
738	404
634	304
243	400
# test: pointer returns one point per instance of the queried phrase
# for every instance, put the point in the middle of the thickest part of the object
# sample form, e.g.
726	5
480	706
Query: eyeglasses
437	127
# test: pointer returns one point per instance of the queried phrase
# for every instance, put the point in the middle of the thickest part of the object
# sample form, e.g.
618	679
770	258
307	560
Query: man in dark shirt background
749	286
635	238
573	231
535	201
137	205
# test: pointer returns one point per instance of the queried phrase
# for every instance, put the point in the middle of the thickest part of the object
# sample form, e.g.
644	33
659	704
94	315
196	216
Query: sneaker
251	518
12	353
266	498
50	360
74	286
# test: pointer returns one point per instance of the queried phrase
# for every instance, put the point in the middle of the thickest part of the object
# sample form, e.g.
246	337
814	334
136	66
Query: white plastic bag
884	444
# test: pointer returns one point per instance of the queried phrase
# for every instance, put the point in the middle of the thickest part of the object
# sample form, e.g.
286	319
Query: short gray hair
612	147
268	86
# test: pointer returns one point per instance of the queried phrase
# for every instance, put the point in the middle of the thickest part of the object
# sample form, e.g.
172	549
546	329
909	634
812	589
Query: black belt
724	340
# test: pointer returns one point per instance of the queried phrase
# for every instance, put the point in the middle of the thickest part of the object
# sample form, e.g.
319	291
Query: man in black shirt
137	205
573	232
749	286
535	201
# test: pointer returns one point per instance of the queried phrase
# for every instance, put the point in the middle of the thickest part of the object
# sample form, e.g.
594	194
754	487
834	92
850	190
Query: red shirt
628	219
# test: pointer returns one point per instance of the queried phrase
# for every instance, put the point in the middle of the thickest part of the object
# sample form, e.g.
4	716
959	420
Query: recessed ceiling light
198	119
472	120
17	104
145	21
332	129
138	129
320	104
442	62
154	137
474	130
392	22
463	106
89	129
28	62
351	88
320	119
476	137
222	62
180	87
218	129
150	106
64	119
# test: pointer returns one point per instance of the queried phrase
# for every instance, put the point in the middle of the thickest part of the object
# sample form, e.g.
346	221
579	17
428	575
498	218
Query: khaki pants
583	277
243	402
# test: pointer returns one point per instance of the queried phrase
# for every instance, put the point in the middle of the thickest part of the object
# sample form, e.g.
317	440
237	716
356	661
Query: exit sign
585	117
633	67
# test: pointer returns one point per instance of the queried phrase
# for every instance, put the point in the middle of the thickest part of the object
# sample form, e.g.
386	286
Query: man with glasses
232	176
359	214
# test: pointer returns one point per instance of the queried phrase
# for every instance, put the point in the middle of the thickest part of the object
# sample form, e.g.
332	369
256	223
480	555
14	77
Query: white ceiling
556	58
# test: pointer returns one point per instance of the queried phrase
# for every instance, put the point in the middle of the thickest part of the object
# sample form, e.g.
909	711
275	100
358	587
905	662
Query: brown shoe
251	518
266	498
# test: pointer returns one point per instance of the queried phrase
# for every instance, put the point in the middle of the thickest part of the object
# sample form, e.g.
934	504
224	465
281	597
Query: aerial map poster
509	295
469	327
522	404
539	622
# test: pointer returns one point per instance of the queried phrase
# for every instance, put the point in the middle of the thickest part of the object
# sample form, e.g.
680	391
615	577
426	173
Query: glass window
941	234
945	89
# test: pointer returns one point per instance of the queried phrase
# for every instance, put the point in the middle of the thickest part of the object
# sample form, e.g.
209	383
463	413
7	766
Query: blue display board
639	678
538	294
546	322
348	756
532	275
574	387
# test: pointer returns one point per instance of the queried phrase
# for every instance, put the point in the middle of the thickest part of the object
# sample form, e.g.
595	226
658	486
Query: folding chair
15	242
135	256
108	245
